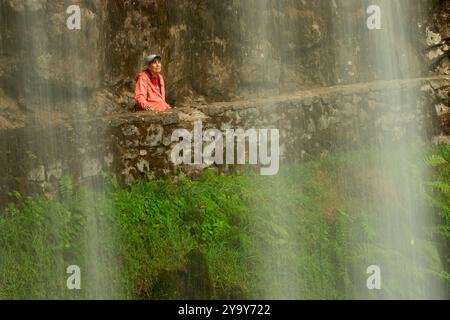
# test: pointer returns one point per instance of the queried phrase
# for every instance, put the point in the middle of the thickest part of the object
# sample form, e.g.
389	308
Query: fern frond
435	160
66	188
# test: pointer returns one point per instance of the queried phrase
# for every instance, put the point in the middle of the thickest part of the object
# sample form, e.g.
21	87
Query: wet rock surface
192	282
135	145
213	50
66	95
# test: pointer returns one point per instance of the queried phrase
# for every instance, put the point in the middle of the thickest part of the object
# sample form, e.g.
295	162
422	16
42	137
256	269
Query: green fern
441	186
66	188
435	160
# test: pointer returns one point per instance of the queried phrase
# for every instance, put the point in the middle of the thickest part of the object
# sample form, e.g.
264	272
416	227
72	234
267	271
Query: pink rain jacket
147	96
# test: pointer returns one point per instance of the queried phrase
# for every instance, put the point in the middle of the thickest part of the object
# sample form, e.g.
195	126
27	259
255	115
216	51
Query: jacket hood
141	74
145	74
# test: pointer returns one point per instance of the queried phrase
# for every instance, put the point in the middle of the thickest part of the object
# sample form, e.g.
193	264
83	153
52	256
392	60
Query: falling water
398	212
396	208
405	226
49	107
278	267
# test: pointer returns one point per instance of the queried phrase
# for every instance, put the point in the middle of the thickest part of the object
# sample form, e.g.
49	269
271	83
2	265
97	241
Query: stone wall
133	145
310	122
438	42
35	158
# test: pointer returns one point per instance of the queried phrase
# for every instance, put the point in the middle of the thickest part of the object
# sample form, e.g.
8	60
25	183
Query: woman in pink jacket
150	89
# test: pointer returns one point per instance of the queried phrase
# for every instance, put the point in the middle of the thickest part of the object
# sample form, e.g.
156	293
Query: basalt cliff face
213	50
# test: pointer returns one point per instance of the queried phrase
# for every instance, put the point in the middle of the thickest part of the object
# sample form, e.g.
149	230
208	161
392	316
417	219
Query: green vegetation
439	160
308	233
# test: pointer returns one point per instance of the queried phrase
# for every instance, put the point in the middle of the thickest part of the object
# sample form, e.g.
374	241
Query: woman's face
155	67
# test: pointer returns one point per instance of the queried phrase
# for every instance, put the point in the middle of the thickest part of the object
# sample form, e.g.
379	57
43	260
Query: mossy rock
192	282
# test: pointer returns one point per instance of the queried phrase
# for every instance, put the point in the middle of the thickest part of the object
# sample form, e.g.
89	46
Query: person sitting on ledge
150	89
